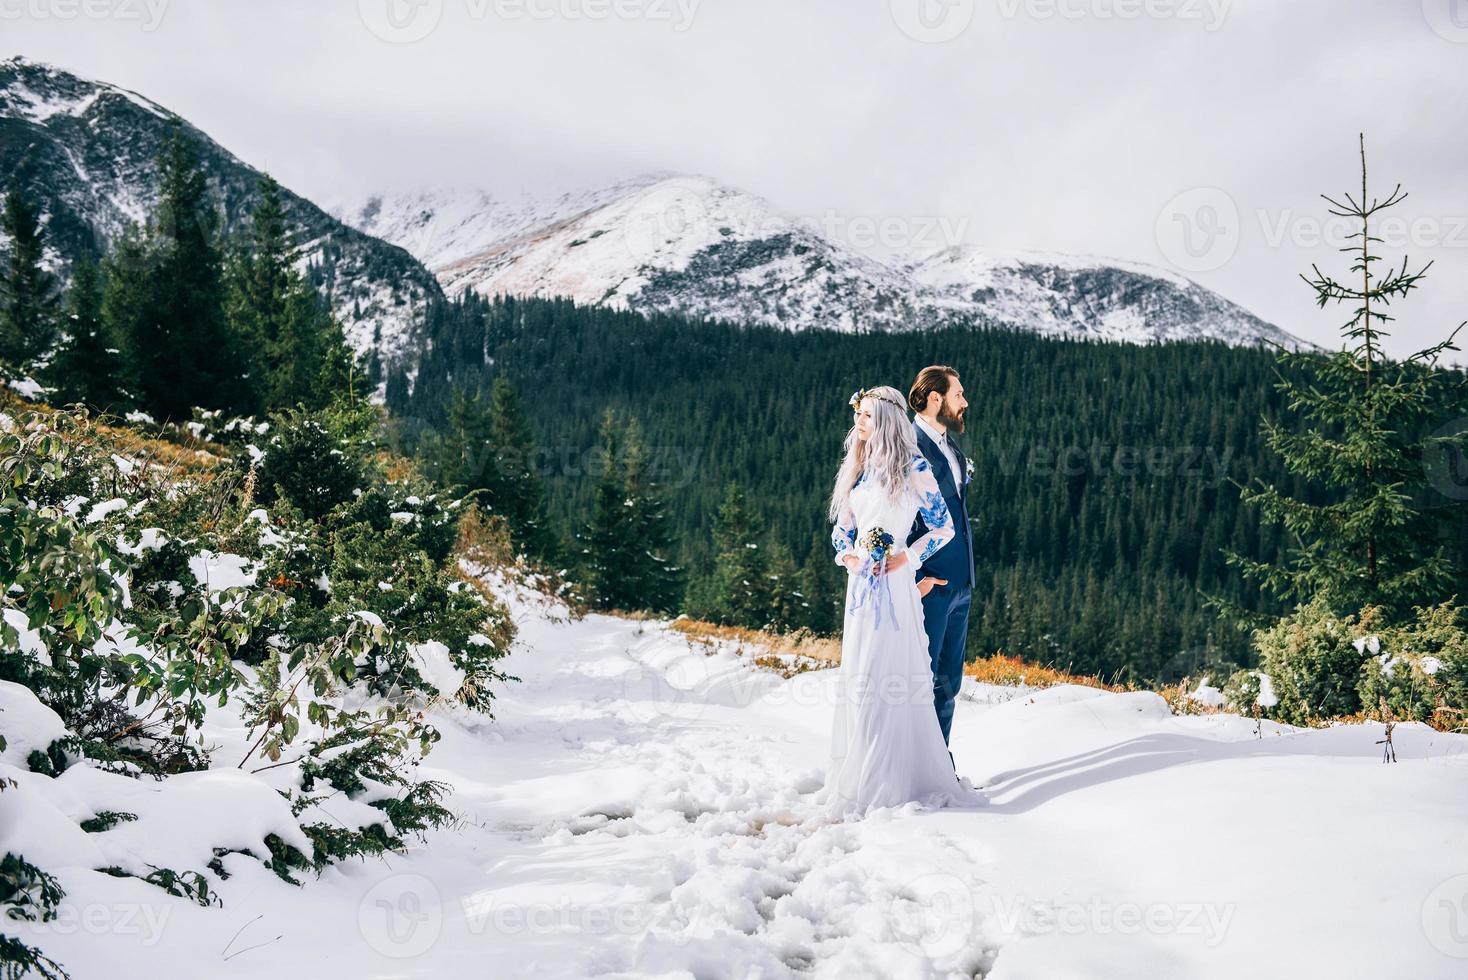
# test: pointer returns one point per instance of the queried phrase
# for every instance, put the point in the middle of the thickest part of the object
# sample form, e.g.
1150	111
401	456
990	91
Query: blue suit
946	607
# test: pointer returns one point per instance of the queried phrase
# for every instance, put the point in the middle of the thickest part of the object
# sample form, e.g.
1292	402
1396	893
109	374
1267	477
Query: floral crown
857	396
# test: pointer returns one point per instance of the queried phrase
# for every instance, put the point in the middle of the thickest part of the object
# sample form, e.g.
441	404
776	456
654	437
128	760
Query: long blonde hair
885	458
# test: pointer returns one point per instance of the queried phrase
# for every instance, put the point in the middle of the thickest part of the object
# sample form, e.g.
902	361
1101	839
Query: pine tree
183	352
789	607
88	366
626	544
338	375
742	592
509	469
655	580
395	392
609	543
29	298
458	457
1377	540
127	305
302	358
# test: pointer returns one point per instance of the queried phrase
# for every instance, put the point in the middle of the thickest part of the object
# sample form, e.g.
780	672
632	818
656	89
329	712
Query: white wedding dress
886	745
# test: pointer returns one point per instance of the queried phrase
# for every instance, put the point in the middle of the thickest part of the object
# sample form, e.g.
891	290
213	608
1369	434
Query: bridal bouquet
871	582
878	544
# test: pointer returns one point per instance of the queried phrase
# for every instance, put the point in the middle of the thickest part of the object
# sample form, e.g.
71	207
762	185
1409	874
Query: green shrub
27	892
17	960
1313	663
1420	670
306	465
1244	690
350	572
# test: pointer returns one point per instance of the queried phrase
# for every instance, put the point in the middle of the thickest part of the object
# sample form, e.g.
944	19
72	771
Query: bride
887	748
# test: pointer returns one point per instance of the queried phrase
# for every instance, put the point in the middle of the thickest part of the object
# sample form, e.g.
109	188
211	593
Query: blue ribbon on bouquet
872	586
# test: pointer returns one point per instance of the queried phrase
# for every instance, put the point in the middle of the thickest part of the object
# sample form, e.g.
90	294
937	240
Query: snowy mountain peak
37	91
692	245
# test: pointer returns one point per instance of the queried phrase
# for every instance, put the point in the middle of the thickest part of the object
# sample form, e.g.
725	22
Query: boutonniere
968	471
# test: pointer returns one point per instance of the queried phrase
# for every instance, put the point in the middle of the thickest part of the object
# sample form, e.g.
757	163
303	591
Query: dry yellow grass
181	456
768	648
1001	668
801	643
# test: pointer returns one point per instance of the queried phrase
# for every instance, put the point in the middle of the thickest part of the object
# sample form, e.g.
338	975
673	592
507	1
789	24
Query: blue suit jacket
955	560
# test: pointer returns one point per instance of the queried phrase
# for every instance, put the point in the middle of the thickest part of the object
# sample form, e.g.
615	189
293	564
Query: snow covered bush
1246	690
1315	666
307	466
1418	671
1313	662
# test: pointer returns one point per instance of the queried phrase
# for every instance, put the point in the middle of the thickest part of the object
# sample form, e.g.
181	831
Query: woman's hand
893	563
928	584
851	561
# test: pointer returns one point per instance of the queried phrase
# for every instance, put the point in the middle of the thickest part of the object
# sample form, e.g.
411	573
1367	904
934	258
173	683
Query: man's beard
954	422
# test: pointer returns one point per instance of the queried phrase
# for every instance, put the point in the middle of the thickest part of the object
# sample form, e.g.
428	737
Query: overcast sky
1192	134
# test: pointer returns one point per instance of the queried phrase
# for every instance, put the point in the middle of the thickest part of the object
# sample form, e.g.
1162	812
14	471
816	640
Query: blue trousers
945	620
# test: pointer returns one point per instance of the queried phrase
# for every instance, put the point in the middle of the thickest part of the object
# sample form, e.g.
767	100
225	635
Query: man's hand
926	585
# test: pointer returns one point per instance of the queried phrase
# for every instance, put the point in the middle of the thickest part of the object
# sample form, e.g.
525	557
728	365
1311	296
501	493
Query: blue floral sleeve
843	535
933	510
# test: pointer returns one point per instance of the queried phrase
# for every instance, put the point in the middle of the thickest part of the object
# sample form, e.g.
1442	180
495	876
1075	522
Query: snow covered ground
642	808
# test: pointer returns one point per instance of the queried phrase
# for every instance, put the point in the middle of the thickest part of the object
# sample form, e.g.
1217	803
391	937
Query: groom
947	586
